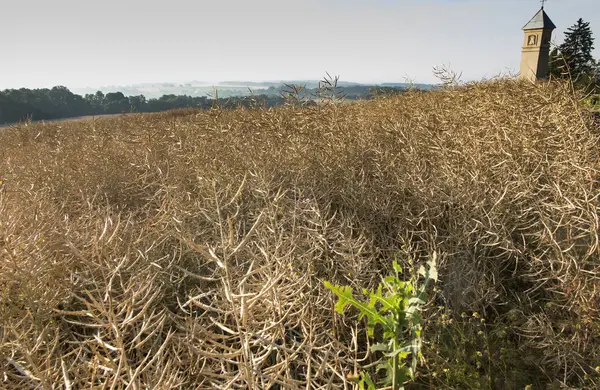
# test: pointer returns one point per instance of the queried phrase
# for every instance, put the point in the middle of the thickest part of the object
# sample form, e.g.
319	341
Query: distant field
78	118
188	249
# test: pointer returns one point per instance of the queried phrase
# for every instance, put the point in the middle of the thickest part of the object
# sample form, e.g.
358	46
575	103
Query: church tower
536	47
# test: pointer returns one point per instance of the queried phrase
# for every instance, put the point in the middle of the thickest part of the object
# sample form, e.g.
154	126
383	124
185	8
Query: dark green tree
96	102
138	103
116	103
557	64
576	51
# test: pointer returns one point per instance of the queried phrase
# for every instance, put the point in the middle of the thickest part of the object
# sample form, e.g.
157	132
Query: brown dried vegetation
188	249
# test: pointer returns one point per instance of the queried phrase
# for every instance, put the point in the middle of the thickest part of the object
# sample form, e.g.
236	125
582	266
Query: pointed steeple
541	21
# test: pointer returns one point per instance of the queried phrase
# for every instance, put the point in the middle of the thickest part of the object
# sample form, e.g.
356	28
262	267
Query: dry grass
187	249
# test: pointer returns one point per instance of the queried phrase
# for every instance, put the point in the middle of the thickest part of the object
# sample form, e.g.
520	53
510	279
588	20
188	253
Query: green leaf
380	347
345	296
386	303
405	374
397	267
400	352
387	368
366	379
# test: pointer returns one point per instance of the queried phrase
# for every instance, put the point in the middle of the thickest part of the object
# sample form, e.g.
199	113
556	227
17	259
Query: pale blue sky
81	43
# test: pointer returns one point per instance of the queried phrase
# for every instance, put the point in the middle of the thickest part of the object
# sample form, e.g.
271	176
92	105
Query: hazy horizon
92	45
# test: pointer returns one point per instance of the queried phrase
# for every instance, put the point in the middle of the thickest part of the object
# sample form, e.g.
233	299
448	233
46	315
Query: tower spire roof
540	21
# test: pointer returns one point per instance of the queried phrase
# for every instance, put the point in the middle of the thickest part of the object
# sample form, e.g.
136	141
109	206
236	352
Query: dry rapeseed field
187	250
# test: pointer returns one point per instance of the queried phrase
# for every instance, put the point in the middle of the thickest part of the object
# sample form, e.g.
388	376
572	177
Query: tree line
59	102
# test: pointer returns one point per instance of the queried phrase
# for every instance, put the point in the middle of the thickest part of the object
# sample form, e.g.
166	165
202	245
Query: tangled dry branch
187	249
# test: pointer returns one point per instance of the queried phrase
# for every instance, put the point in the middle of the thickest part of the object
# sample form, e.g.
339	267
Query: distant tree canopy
573	58
36	104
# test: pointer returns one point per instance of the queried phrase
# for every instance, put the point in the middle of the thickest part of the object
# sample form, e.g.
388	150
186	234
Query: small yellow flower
475	315
597	369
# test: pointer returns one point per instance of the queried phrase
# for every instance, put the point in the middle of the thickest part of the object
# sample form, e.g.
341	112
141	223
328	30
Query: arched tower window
532	40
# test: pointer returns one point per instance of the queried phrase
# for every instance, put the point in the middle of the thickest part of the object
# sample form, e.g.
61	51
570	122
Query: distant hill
224	88
405	85
156	90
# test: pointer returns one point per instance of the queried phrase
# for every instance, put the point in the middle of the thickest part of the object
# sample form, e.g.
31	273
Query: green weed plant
396	307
